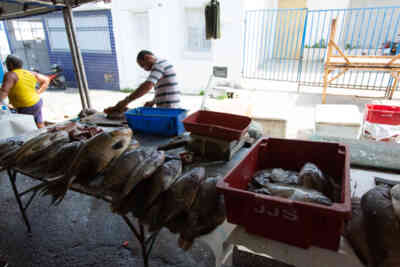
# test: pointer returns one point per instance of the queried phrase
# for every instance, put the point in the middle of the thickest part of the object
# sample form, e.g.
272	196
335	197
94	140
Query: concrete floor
80	232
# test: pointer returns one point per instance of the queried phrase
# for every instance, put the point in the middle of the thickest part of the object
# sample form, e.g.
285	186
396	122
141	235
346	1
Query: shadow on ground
80	232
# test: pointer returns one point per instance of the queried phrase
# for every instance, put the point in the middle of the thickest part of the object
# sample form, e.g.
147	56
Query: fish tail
56	188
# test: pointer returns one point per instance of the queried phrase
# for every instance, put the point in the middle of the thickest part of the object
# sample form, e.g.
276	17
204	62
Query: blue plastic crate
158	121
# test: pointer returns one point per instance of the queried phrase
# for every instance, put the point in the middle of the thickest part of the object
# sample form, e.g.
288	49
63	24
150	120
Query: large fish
134	192
179	197
58	139
162	179
148	191
56	161
355	232
206	213
33	148
382	226
284	177
119	171
9	148
298	193
313	178
144	170
91	159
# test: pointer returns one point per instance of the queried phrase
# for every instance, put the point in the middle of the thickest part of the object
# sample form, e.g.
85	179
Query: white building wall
373	3
337	4
166	31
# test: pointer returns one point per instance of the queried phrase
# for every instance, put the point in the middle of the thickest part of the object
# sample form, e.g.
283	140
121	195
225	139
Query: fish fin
56	188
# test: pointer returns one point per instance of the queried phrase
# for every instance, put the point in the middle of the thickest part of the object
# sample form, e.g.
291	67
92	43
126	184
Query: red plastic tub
383	114
218	125
297	223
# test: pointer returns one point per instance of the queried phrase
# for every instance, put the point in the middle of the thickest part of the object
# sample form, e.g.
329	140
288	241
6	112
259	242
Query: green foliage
222	97
127	90
202	92
348	46
320	44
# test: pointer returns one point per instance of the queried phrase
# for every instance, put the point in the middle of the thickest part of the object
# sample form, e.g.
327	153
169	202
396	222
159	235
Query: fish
313	178
144	170
182	194
206	213
284	177
119	172
132	198
38	152
8	145
261	177
298	193
11	158
382	226
9	148
162	179
149	190
92	158
33	148
355	232
395	194
56	161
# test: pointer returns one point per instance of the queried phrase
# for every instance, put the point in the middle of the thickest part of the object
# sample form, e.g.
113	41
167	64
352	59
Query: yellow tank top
24	93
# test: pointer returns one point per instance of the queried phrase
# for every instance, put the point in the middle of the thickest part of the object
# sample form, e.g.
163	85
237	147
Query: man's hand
149	104
119	107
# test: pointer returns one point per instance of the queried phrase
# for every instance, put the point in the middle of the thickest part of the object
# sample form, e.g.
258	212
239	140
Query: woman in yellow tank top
19	86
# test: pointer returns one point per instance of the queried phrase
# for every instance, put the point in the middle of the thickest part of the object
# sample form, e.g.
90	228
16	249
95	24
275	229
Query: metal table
145	239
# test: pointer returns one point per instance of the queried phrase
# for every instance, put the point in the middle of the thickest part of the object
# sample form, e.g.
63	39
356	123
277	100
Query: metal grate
291	44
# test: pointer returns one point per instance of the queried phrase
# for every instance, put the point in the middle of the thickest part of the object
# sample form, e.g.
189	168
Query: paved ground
80	232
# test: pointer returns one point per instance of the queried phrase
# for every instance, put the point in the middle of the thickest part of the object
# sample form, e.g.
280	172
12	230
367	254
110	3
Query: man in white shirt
162	78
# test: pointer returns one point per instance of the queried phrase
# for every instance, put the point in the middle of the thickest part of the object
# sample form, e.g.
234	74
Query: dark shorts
35	110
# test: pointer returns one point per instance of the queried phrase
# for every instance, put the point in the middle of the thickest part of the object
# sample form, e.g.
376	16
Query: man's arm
43	81
9	81
143	89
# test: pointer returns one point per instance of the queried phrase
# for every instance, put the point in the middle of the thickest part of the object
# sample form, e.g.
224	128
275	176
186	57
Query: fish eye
117	145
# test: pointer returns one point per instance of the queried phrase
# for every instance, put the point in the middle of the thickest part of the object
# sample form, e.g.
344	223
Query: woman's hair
13	62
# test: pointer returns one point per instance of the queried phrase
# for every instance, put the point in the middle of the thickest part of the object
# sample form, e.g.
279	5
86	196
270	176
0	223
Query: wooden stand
368	63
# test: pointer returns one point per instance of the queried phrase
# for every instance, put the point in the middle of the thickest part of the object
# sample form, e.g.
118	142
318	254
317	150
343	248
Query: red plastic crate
383	114
297	223
218	125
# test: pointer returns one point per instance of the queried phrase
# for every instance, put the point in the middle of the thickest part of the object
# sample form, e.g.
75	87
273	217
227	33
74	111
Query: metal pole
74	57
79	55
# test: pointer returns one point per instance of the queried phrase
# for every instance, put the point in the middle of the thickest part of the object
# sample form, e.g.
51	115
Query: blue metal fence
291	44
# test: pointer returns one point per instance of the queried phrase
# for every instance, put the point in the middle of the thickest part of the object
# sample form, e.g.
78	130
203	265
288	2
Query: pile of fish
308	185
141	180
374	229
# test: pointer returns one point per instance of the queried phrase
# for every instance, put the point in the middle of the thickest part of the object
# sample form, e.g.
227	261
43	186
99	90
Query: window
92	33
195	39
28	30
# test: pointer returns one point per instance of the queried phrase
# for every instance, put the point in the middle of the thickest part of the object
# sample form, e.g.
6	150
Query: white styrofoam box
272	118
338	120
273	127
16	124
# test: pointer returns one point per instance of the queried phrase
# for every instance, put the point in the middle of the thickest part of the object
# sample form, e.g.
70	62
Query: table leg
12	175
145	243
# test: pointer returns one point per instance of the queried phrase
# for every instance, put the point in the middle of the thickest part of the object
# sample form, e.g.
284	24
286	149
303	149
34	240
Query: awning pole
76	57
